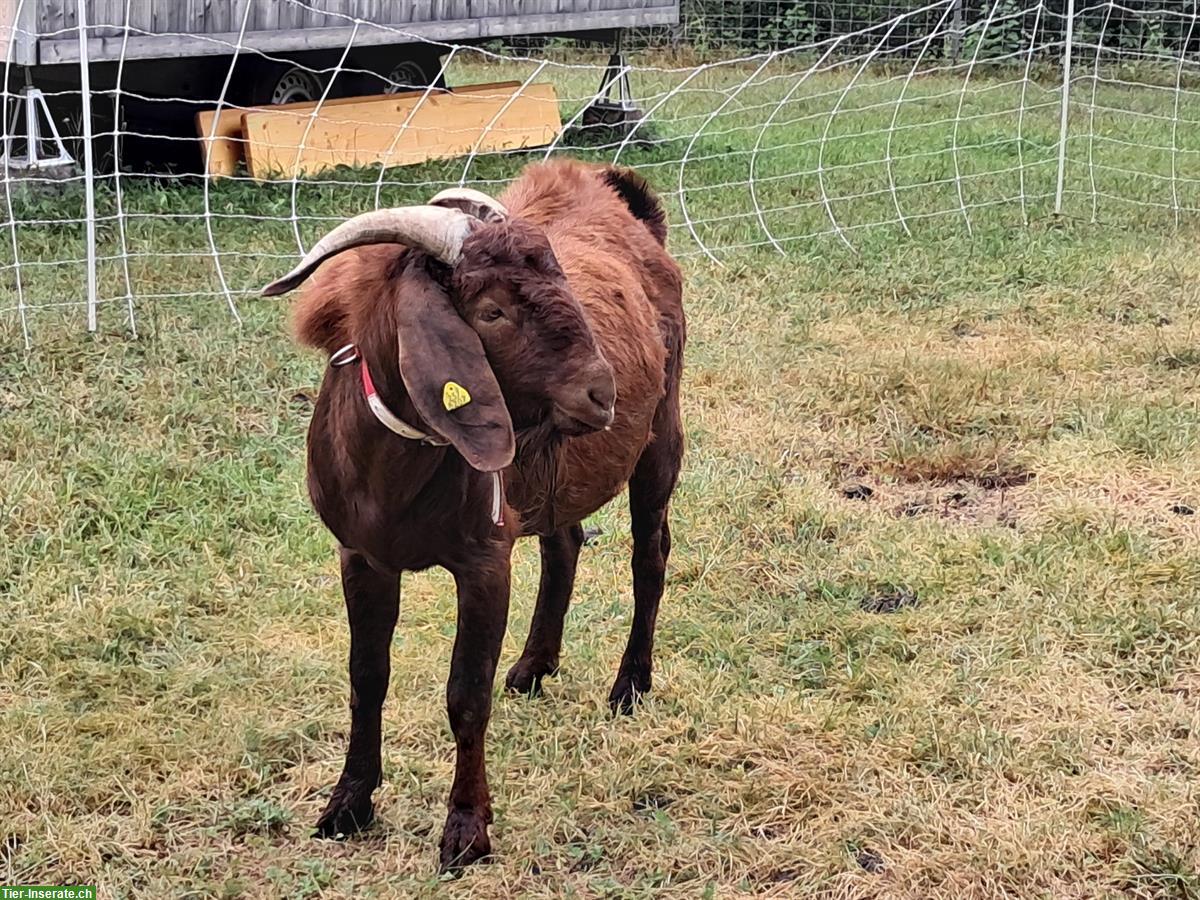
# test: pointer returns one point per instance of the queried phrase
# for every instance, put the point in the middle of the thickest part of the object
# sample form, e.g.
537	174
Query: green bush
760	25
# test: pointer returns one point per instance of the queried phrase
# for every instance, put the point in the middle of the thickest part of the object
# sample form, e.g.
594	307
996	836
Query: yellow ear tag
454	395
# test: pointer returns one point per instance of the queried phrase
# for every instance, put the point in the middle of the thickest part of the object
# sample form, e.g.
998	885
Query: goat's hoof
346	814
464	840
525	677
627	693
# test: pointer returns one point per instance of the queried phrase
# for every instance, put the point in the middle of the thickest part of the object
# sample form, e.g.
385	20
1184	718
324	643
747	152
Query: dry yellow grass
1024	724
979	679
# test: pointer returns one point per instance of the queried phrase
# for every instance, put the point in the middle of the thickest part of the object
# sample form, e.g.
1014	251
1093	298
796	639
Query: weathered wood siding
107	17
185	28
18	33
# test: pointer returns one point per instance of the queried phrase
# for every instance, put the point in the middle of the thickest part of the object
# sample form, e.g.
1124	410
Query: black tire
268	83
390	70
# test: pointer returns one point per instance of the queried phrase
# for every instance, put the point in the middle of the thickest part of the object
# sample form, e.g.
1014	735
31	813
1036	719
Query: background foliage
774	24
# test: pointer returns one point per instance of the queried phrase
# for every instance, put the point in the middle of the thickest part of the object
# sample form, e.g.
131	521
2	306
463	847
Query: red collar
386	417
395	424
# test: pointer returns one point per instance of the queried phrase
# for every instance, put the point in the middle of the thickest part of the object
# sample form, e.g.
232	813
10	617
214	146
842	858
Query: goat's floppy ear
447	374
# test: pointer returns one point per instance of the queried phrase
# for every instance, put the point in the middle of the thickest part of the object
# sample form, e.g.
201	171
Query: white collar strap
389	419
395	424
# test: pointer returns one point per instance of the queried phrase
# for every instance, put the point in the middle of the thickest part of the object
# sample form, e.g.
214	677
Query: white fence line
1068	49
920	124
89	167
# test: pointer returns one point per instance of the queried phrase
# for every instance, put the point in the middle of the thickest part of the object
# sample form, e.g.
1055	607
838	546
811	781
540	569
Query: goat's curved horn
469	200
437	230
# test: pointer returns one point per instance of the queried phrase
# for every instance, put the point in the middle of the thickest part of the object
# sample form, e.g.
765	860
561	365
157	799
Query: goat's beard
535	438
536	466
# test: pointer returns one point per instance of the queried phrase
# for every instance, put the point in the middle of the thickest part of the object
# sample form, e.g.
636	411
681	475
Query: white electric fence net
765	126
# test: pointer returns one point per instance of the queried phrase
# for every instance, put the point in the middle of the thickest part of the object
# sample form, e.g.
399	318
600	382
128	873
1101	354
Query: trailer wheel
290	84
272	83
393	70
408	75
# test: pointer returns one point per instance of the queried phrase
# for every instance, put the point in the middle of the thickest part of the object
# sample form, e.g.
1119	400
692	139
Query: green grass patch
977	679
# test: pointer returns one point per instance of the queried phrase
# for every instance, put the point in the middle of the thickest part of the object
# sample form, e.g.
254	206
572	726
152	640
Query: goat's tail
637	194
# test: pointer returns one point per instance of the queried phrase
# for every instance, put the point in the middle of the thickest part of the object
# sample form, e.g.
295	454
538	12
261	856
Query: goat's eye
492	314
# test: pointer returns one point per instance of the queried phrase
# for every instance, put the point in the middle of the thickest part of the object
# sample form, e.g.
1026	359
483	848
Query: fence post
956	31
89	171
1066	104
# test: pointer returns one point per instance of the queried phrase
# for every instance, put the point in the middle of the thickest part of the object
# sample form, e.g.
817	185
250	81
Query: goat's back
608	231
607	213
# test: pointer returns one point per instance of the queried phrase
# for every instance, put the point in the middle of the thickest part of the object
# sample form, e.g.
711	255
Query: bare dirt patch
955	487
960	501
890	600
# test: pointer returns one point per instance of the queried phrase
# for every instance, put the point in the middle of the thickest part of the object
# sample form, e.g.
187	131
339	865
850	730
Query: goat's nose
587	403
603	393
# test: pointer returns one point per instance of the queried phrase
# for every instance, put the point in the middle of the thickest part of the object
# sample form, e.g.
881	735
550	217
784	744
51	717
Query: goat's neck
363	450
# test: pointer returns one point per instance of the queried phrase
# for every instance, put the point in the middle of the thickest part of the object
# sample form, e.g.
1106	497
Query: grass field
931	628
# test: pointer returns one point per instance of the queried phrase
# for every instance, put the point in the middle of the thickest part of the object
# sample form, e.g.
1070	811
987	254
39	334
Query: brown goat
557	316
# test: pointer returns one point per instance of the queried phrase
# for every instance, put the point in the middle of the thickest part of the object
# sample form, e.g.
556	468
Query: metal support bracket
32	102
622	113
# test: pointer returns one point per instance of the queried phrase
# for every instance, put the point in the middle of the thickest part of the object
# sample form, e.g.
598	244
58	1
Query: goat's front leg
372	605
482	615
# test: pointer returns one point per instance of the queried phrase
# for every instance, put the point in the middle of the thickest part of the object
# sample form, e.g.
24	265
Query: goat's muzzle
587	403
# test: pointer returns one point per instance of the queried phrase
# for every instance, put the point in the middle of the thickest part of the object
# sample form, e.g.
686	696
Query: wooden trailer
45	32
172	57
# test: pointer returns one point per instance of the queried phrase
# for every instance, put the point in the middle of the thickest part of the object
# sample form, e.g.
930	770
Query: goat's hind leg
650	491
372	605
560	556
